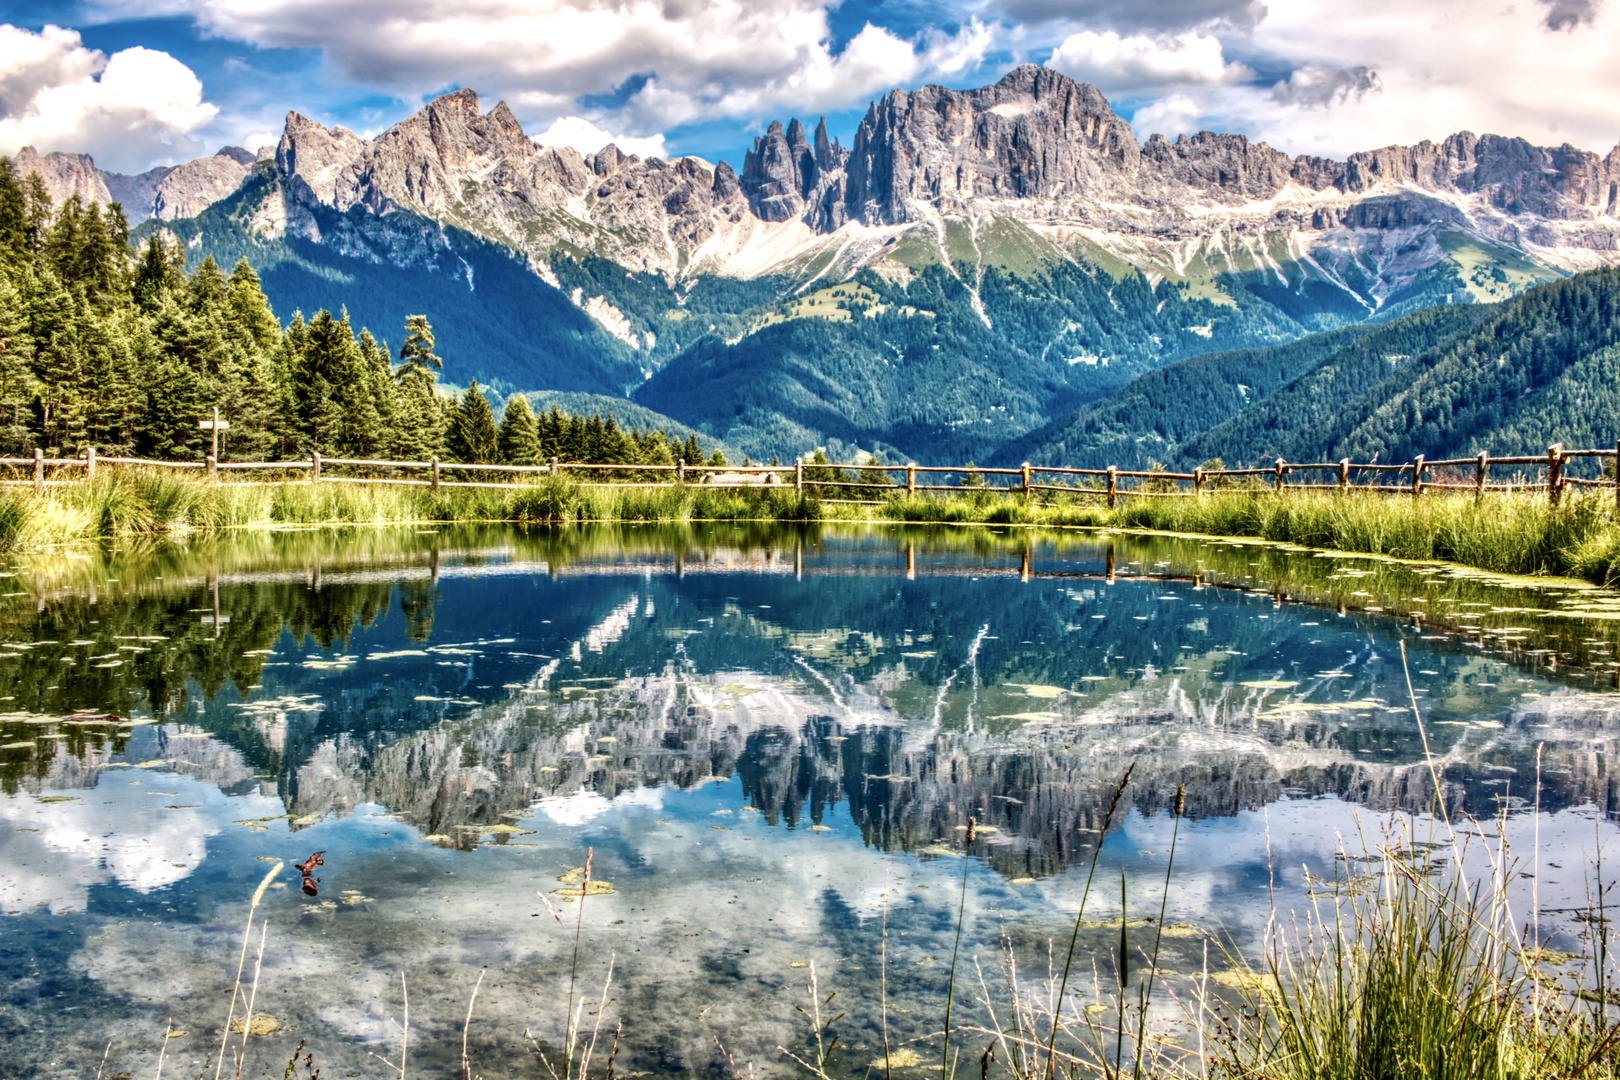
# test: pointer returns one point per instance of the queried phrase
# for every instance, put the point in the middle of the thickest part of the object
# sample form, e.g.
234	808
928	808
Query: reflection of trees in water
167	648
852	586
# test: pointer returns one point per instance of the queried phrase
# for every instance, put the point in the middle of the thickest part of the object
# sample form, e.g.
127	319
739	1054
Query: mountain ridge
1017	236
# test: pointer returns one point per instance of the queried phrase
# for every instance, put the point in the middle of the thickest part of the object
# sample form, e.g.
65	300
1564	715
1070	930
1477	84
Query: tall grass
1504	532
122	504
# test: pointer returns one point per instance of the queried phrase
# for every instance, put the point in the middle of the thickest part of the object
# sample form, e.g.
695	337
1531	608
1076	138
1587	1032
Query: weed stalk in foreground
950	983
241	962
1079	919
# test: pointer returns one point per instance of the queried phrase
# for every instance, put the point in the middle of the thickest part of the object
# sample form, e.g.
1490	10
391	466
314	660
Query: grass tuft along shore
1503	533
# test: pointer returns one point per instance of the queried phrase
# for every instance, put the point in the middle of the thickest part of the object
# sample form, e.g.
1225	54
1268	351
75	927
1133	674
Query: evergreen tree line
126	351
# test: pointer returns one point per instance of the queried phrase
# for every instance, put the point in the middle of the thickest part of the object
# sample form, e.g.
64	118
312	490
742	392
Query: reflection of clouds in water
118	829
587	805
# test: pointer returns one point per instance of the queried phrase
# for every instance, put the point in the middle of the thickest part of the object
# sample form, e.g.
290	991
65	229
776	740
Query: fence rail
1549	473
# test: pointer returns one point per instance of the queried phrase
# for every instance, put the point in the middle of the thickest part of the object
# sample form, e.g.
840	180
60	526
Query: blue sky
142	82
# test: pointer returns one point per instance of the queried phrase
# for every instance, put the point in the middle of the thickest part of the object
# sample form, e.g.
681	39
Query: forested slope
1150	418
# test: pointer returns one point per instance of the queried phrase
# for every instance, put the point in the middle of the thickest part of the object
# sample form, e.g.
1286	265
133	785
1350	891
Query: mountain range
977	274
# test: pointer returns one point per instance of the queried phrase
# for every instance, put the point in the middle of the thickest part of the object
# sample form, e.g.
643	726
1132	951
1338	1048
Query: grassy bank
132	503
1504	533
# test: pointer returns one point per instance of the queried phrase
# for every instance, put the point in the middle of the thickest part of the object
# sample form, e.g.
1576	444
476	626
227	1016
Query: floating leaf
1270	684
59	798
261	1025
903	1058
1047	692
596	888
1250	981
821	828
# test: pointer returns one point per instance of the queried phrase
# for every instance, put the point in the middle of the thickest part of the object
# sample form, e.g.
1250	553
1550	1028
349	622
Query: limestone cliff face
191	188
65	175
1036	148
166	192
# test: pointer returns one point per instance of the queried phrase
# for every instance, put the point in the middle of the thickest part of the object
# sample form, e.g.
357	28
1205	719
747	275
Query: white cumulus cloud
658	63
1381	72
587	138
130	110
1138	63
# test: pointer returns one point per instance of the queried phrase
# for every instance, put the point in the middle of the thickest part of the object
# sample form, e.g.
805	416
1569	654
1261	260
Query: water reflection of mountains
911	700
905	788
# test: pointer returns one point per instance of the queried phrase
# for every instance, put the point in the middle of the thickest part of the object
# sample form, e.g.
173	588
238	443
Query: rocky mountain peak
1035	134
65	175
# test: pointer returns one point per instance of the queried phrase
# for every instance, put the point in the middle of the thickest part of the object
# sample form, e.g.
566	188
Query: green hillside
1152	416
1290	422
945	365
495	321
1542	369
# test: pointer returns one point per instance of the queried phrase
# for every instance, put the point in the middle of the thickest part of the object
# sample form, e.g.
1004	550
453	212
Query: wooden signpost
216	425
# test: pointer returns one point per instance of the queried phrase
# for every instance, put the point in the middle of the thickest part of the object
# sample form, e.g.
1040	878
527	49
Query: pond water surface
770	740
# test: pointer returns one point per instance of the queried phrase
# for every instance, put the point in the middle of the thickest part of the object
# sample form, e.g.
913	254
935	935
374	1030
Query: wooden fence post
39	471
1482	466
1025	473
1555	472
1344	475
798	475
1198	481
553	466
1277	484
1417	476
90	463
314	468
213	467
434	482
911	478
680	473
1113	489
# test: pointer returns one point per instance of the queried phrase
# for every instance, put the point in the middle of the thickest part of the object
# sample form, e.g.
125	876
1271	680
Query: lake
771	741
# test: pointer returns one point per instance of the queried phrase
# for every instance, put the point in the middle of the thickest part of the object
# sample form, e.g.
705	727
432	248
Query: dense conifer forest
127	350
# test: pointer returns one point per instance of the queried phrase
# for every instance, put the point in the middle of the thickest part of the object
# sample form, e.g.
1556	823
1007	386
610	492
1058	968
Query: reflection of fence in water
1550	472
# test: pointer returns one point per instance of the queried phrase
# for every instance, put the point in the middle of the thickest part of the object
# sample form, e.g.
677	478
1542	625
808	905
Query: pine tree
718	459
520	433
160	272
472	436
16	362
692	453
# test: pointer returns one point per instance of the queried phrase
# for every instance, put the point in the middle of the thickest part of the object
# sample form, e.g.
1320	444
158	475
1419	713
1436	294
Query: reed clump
130	503
1509	533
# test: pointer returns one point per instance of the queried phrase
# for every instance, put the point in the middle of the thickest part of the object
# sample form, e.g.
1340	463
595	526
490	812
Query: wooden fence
1552	472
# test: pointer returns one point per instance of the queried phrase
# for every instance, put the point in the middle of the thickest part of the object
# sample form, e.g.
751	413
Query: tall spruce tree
520	433
472	437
